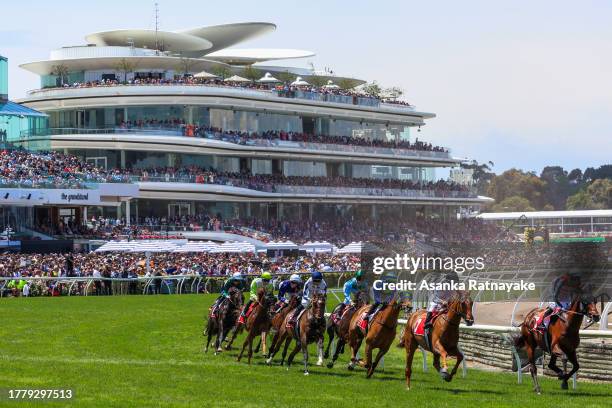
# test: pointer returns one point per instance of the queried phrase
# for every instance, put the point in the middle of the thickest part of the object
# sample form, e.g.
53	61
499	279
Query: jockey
289	288
352	287
440	297
382	297
236	281
264	281
315	285
564	288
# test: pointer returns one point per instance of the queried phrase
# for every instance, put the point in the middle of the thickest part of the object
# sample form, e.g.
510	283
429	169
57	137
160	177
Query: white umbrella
299	82
268	79
281	245
235	247
205	75
358	247
330	85
117	246
236	78
197	246
154	246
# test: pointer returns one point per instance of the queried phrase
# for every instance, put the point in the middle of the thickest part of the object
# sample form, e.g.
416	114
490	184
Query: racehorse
258	322
379	336
278	320
311	328
339	326
444	335
226	316
562	337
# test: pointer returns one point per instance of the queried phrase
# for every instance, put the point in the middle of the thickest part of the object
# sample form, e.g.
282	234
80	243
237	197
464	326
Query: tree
511	204
347	83
515	182
596	196
558	187
317	80
61	72
221	71
372	89
185	66
575	176
394	92
125	66
251	73
482	174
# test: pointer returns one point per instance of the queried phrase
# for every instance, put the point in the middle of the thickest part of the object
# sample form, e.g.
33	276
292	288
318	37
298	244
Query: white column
127	212
84	215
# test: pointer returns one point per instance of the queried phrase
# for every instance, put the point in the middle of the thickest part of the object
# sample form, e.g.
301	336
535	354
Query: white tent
235	247
117	246
154	246
236	78
317	246
281	245
299	82
197	246
268	79
330	85
358	247
205	75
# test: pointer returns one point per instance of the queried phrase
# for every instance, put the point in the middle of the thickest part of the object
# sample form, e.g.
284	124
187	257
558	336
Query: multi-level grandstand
204	135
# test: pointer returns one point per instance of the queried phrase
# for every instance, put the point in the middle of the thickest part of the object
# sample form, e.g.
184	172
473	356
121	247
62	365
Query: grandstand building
150	100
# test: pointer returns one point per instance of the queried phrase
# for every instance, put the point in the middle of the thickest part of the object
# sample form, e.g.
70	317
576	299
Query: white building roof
546	214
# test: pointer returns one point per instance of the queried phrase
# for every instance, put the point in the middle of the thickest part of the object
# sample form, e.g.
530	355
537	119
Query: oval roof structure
226	35
164	40
252	55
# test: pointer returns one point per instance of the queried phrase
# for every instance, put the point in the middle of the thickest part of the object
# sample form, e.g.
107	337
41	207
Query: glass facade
3	79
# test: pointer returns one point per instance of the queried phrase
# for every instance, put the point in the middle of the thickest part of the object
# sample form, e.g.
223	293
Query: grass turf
146	351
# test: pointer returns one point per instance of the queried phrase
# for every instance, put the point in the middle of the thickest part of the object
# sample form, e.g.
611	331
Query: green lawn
146	351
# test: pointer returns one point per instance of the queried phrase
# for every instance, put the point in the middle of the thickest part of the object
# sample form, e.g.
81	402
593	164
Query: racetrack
146	351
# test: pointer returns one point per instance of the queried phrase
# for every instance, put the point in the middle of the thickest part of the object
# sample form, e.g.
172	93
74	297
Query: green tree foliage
221	71
558	186
61	72
515	182
251	73
372	89
596	196
125	66
347	83
514	203
317	80
482	174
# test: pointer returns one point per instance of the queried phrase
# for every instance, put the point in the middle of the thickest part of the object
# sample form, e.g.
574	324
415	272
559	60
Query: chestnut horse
278	320
226	316
340	328
380	335
311	328
562	337
444	336
258	322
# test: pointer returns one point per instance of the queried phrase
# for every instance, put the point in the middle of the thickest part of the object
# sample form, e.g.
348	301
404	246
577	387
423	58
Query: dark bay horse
277	322
311	328
225	319
380	335
444	335
562	337
339	326
258	322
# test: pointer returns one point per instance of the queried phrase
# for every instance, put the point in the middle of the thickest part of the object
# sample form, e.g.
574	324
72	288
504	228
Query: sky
523	84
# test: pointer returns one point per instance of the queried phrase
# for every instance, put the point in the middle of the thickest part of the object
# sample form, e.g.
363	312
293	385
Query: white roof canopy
236	78
268	78
299	82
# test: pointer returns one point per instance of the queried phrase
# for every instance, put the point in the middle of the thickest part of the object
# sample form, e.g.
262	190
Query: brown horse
226	316
311	325
278	320
380	335
562	337
339	326
444	336
258	322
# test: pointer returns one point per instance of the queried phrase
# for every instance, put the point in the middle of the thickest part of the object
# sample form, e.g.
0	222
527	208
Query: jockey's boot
244	312
427	326
541	324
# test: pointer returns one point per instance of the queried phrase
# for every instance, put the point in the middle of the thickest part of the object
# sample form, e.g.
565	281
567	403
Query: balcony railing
235	139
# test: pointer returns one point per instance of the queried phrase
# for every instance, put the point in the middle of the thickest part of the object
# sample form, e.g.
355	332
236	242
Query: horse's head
235	296
318	306
587	305
462	305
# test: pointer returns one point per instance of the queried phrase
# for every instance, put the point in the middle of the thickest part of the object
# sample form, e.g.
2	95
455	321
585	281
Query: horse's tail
518	340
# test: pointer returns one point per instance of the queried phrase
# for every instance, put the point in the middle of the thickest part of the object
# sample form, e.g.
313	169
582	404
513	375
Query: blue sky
521	83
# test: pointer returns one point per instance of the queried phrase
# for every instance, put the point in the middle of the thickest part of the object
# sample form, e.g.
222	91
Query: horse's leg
292	355
219	341
209	336
533	369
459	360
339	347
552	364
436	361
285	348
444	369
379	355
356	344
320	348
304	344
572	358
330	334
410	345
368	356
246	341
273	345
264	342
258	345
251	338
232	338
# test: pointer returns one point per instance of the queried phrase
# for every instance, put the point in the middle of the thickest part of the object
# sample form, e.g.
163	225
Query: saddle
363	316
539	319
337	317
250	309
418	327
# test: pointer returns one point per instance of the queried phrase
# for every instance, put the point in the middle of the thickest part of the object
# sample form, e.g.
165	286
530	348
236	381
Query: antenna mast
157	28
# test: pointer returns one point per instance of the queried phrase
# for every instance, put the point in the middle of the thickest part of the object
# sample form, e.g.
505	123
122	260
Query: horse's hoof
320	363
269	361
306	372
219	350
445	375
564	385
326	355
351	367
330	365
